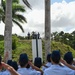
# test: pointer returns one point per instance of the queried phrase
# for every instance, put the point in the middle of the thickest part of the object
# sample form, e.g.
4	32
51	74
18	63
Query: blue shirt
48	64
25	71
55	70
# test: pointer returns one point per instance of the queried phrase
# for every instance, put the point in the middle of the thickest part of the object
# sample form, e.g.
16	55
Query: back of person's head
9	62
23	59
38	62
48	57
68	57
55	56
0	59
15	65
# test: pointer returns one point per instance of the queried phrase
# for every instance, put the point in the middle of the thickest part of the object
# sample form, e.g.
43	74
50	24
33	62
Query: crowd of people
55	65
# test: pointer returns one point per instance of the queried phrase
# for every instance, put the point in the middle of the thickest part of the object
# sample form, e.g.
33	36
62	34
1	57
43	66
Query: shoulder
6	72
22	70
48	64
47	70
34	72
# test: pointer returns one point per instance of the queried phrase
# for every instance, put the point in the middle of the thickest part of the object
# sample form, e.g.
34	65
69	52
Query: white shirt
48	65
25	71
55	70
1	73
6	72
69	71
34	72
38	73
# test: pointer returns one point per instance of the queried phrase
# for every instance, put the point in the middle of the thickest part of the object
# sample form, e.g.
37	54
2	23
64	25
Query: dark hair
9	62
15	65
48	57
23	59
28	66
38	62
68	57
55	56
0	59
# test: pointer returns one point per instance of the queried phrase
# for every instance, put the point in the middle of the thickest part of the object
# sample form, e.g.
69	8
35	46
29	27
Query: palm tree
8	30
8	25
47	27
17	18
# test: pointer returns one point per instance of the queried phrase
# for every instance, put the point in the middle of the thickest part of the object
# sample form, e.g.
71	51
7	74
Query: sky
53	1
62	17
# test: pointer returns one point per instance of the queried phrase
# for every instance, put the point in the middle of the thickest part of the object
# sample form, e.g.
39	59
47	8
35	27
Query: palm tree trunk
47	27
8	30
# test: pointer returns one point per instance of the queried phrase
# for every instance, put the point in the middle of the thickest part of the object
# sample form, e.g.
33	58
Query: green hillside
26	46
62	47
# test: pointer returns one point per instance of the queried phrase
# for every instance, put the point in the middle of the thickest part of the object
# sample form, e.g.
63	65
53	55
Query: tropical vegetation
17	10
66	38
22	44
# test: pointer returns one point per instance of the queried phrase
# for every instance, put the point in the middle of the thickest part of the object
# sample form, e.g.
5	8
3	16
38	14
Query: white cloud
36	16
62	16
35	21
37	4
0	1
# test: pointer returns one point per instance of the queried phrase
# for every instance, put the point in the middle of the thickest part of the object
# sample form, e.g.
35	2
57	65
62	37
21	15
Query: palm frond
15	1
3	3
17	18
20	18
17	8
1	13
27	3
17	23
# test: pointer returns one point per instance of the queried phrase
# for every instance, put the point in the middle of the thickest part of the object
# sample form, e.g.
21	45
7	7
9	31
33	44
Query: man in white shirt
55	69
48	64
23	61
68	57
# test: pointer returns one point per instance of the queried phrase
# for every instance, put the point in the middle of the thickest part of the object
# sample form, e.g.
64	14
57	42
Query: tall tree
8	29
47	27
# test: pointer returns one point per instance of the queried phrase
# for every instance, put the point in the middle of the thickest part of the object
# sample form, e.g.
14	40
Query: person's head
0	59
38	62
9	62
68	57
48	57
15	65
55	57
23	60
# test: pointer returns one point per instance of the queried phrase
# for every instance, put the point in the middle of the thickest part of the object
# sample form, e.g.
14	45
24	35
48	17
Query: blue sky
53	1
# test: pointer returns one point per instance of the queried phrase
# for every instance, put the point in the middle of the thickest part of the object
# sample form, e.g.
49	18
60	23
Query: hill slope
26	46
